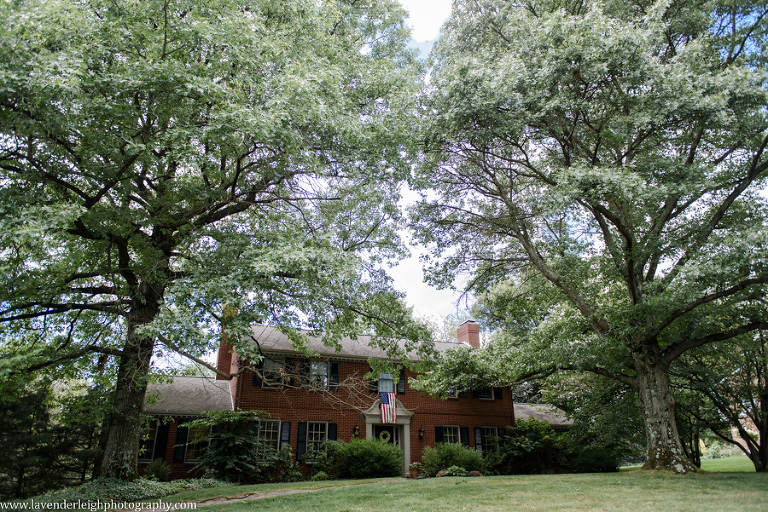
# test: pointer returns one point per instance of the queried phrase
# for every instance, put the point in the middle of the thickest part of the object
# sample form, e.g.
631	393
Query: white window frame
191	441
273	377
316	437
484	397
318	374
489	436
149	450
264	445
455	432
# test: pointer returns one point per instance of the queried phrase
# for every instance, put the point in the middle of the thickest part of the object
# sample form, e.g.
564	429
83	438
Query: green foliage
157	470
597	169
593	459
319	476
47	443
445	455
108	489
360	458
161	161
452	471
237	454
530	447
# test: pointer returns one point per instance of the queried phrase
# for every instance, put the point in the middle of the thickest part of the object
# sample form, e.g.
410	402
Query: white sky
426	18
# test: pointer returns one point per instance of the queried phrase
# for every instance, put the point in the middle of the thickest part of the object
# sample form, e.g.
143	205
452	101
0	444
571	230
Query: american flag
388	407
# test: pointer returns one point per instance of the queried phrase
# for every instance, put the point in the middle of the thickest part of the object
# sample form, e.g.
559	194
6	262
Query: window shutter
161	441
479	438
180	448
285	433
401	383
301	439
502	435
475	393
373	384
498	394
256	378
438	435
290	372
464	435
303	372
332	429
462	394
333	378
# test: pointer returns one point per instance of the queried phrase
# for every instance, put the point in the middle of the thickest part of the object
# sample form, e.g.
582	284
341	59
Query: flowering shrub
475	473
454	471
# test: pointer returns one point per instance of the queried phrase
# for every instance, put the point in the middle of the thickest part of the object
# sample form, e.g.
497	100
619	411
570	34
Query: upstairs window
273	373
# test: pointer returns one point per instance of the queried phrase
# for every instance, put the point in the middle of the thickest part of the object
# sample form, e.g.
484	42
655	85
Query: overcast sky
426	18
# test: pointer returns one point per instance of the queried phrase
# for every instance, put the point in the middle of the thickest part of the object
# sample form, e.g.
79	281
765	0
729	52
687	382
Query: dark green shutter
285	433
161	441
462	394
464	435
256	377
332	429
373	384
498	393
301	439
401	383
438	435
180	447
479	438
502	434
333	378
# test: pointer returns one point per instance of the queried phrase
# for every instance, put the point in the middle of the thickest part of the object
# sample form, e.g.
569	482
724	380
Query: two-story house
324	397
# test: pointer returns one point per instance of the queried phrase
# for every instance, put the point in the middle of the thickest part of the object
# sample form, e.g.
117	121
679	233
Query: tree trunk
665	451
121	453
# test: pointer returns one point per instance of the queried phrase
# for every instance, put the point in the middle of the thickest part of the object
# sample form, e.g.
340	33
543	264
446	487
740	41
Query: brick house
311	400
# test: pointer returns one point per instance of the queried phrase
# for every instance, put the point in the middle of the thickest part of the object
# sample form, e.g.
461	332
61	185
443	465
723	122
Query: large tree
162	161
608	156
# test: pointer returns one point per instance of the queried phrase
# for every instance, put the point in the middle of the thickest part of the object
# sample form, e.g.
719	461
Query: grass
628	490
741	464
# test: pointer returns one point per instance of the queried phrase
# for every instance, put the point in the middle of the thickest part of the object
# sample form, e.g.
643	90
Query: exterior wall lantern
421	433
356	431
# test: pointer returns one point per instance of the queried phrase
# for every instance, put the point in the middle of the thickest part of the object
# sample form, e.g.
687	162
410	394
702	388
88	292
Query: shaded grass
628	491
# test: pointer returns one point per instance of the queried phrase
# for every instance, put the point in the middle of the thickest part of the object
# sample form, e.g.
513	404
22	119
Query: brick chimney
224	362
469	332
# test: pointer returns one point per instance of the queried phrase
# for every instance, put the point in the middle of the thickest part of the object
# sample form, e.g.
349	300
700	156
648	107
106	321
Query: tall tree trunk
121	453
665	451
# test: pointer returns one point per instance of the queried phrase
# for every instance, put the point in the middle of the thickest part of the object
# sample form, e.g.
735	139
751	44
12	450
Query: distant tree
163	160
612	153
44	446
727	391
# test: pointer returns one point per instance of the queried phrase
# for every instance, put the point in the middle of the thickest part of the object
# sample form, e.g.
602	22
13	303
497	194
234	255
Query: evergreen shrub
445	455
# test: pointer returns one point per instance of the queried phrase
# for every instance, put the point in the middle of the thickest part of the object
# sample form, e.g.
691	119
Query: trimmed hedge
360	458
445	455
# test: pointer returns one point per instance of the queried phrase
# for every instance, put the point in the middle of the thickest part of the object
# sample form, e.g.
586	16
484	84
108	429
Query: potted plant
415	468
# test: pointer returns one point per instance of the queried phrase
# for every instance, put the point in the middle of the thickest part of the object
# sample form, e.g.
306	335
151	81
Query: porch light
356	431
421	433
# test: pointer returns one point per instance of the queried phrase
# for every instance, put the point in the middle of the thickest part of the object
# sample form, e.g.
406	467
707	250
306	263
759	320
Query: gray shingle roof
272	341
189	396
543	412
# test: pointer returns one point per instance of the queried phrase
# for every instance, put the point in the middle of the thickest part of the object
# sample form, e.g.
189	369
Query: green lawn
729	465
629	490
